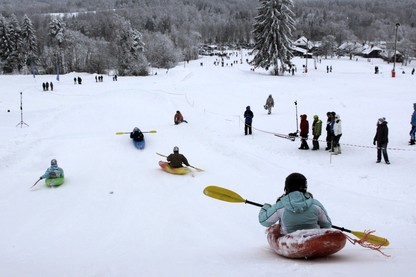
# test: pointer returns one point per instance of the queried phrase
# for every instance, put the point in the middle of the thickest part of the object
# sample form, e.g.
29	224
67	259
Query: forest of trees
131	35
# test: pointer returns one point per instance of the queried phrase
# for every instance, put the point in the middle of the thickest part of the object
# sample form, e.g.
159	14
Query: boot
412	142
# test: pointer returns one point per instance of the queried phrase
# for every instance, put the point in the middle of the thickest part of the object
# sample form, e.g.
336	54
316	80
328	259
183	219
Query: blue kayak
139	144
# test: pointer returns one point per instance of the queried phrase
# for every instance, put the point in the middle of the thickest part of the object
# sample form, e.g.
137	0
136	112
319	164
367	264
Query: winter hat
248	108
295	182
381	120
315	116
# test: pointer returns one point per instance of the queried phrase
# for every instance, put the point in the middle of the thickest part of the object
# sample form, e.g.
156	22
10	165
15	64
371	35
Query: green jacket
317	128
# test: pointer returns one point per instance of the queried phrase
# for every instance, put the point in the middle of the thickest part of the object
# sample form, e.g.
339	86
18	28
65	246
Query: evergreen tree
56	32
16	36
6	46
29	43
273	28
129	48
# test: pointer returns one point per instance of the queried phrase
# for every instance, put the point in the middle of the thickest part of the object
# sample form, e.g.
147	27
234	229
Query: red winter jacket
304	126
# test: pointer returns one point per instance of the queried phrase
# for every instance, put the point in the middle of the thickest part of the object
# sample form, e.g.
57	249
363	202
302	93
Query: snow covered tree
56	32
273	28
7	46
16	36
160	51
129	48
29	43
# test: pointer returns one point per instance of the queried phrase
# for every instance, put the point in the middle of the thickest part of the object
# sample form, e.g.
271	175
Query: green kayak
54	182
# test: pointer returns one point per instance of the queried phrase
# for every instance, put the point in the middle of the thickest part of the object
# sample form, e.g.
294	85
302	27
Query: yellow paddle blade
151	132
196	168
161	154
122	133
223	194
371	238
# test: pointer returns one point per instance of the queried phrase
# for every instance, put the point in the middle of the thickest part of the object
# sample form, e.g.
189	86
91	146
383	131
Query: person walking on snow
248	116
269	104
382	139
413	123
316	132
304	131
178	118
296	209
337	135
54	171
175	160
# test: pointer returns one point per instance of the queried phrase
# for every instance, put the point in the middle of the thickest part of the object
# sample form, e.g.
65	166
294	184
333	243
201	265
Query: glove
374	142
40	178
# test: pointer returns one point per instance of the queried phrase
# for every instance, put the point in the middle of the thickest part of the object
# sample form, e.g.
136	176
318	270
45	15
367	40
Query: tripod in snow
21	123
295	134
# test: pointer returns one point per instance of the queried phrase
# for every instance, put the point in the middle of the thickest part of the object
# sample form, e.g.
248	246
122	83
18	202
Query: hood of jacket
296	202
303	116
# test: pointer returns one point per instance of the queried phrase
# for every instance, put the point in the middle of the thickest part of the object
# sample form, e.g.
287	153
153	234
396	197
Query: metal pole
395	51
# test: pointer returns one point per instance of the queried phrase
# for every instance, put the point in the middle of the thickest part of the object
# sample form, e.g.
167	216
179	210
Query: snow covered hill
119	214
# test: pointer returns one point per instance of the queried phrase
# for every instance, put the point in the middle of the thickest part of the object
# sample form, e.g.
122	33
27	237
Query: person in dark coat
413	123
176	160
44	86
248	115
304	131
47	86
178	118
381	139
51	86
136	135
329	130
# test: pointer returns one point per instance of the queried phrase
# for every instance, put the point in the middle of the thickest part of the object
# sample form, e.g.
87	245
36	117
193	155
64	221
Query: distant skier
248	116
176	160
178	118
269	104
413	123
316	132
381	139
304	131
136	135
54	171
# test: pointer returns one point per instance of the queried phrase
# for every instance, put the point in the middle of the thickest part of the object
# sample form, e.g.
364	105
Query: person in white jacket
337	134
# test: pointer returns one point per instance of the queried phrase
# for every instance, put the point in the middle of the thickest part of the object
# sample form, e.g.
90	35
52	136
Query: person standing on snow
413	123
269	104
316	132
178	118
248	116
337	135
54	171
296	209
136	135
304	131
381	139
175	160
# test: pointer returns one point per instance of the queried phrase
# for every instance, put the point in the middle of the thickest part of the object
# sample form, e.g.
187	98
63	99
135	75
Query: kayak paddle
36	182
231	196
125	133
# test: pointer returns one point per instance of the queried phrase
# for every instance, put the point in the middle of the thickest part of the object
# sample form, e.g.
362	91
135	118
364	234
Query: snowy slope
118	214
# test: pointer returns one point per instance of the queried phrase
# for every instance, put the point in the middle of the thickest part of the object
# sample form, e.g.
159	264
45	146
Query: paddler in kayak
54	171
296	209
136	135
175	159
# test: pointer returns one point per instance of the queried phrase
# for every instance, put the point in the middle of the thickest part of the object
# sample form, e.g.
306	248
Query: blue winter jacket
295	211
53	172
248	115
413	120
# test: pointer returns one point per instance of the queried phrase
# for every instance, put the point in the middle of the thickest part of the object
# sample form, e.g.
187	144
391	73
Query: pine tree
29	43
273	28
15	31
6	46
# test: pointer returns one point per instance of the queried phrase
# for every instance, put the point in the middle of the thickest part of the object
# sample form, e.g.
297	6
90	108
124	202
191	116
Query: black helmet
54	162
176	149
295	182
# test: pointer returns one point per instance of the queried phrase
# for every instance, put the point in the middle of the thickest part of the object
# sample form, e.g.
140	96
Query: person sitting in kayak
175	159
178	118
54	171
137	135
296	209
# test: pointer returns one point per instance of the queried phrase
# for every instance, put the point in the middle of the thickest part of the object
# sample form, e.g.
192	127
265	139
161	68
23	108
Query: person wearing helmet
296	209
54	171
248	115
178	118
136	135
269	104
176	160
